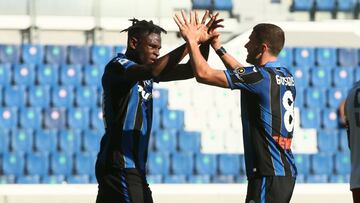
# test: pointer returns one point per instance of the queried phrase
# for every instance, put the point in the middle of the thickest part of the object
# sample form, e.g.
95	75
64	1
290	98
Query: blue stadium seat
158	163
173	119
78	179
24	74
335	96
30	117
154	179
300	178
45	140
53	179
54	118
299	99
304	57
47	74
39	96
322	163
327	141
229	164
182	163
4	141
199	179
301	77
62	96
13	163
171	179
92	74
202	4
85	96
338	179
78	118
317	178
160	98
223	5
302	162
330	119
14	96
221	179
91	140
342	163
344	141
70	74
348	57
84	163
315	97
286	56
5	74
32	53
310	118
8	117
70	140
119	49
343	77
28	179
21	140
346	5
325	57
205	164
37	163
55	54
156	119
78	54
7	179
189	141
165	140
325	5
96	119
320	77
357	73
101	54
60	163
9	54
302	5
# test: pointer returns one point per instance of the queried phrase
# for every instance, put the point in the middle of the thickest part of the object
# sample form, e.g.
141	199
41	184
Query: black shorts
122	186
270	189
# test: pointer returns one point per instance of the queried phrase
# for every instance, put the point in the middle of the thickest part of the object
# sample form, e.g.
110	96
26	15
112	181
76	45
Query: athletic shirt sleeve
244	78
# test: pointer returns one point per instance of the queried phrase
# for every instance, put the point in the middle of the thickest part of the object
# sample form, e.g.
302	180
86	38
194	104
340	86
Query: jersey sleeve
117	68
244	78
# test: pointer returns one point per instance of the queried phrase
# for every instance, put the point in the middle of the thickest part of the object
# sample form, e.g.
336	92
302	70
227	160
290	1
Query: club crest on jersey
238	72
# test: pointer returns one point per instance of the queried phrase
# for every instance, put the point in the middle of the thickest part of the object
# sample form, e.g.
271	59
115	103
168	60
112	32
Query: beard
253	58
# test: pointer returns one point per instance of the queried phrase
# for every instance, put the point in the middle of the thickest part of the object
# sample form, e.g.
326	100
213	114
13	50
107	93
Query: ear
264	47
133	42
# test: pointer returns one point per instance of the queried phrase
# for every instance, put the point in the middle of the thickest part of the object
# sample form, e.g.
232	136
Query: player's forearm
198	62
229	61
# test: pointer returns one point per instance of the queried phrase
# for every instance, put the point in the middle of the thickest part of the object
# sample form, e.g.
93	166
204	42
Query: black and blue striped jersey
127	111
267	109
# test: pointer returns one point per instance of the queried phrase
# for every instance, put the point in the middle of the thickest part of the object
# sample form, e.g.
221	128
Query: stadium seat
39	96
92	74
14	96
222	179
182	163
229	164
315	97
9	54
199	179
5	74
304	57
119	49
189	141
317	178
70	140
78	179
21	140
205	164
325	57
156	119
302	162
286	57
346	5
24	74
32	53
84	163
8	117
325	5
343	140
91	140
78	118
310	118
30	117
301	77
101	54
330	119
54	118
96	119
348	57
28	179
158	163
302	5
202	4
154	179
170	179
335	96
342	163
165	140
45	140
344	179
299	99
13	163
47	74
78	54
53	179
55	54
60	163
160	98
37	163
327	141
320	77
172	119
322	163
70	74
357	73
343	77
62	96
4	141
223	5
85	96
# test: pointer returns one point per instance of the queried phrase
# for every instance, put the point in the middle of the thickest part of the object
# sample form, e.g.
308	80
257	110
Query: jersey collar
273	64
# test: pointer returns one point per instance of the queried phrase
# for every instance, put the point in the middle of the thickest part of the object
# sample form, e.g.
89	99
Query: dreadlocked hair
143	27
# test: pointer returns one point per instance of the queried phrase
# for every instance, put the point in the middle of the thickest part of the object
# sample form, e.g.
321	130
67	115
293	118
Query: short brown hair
270	34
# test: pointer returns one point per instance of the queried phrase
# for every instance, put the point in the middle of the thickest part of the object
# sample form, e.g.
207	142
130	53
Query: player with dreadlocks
127	108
